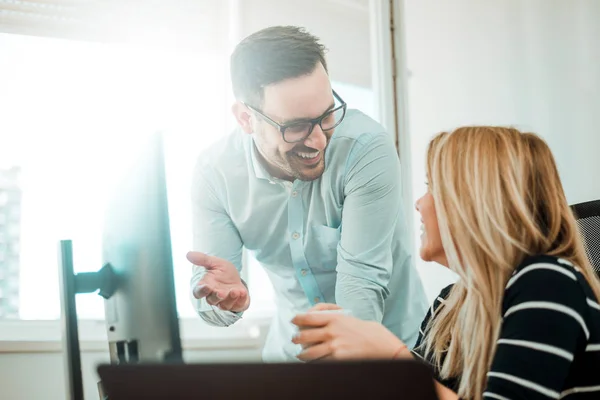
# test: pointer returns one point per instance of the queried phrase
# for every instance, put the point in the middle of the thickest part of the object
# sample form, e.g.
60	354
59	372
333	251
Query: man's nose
317	139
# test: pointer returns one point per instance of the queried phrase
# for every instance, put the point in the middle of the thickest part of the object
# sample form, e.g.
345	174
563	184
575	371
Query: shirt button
317	299
295	235
304	272
294	193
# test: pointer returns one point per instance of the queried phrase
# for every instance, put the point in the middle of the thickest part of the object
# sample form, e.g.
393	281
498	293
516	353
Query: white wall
533	64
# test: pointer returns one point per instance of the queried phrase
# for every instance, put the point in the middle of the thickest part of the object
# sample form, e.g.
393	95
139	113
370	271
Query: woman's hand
341	337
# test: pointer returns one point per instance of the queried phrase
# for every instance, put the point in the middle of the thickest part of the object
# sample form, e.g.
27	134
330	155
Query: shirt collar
259	171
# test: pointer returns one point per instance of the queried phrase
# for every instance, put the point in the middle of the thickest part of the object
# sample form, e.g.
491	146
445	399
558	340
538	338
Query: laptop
398	379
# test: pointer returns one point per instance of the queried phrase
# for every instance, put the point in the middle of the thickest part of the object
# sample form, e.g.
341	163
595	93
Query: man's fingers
226	299
242	301
202	259
236	300
229	300
202	290
213	299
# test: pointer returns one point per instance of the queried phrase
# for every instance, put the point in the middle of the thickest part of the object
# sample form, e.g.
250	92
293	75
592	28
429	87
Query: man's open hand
221	285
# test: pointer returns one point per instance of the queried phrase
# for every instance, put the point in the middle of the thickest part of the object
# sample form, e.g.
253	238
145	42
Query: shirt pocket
326	240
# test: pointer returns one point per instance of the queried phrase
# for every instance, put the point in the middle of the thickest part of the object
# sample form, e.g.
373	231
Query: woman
523	320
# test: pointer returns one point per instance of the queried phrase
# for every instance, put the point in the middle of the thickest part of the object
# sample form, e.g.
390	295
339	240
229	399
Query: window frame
44	336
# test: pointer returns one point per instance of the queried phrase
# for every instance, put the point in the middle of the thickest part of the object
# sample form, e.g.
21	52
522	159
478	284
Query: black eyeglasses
298	131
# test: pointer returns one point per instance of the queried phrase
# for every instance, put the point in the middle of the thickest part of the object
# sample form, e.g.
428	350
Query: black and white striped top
549	344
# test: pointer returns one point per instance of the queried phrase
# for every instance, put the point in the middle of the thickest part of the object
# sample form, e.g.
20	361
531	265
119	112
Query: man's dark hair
270	56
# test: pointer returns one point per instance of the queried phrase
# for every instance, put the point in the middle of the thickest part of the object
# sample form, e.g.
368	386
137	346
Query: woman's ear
242	116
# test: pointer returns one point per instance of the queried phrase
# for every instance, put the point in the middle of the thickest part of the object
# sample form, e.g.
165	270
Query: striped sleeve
544	325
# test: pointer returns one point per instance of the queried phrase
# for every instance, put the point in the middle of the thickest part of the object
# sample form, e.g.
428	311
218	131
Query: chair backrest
588	218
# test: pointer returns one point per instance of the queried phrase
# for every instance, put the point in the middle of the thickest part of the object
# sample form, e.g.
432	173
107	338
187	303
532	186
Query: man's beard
302	171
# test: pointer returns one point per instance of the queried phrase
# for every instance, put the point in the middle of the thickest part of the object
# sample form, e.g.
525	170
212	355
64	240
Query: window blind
198	24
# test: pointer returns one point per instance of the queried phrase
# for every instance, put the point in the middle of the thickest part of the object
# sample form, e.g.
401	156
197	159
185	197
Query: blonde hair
498	199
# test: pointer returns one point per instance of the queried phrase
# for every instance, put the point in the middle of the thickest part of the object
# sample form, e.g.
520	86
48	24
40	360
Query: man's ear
242	116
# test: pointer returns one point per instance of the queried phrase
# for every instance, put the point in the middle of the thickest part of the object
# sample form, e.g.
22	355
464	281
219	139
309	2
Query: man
320	211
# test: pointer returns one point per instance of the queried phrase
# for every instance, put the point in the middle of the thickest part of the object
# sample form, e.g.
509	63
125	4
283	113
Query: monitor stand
71	284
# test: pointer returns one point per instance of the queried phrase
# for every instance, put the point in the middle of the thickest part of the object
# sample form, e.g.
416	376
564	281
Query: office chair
588	218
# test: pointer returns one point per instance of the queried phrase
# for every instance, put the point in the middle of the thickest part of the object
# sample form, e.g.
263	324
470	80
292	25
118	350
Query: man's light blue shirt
337	239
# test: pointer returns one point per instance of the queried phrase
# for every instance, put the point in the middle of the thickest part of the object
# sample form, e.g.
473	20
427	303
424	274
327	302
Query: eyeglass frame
314	122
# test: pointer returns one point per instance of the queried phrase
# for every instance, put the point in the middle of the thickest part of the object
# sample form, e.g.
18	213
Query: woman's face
431	241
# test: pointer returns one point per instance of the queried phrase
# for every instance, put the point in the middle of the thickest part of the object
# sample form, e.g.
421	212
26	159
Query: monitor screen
141	316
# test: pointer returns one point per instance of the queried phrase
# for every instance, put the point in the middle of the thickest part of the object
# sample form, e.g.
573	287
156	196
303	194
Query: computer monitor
141	316
136	278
